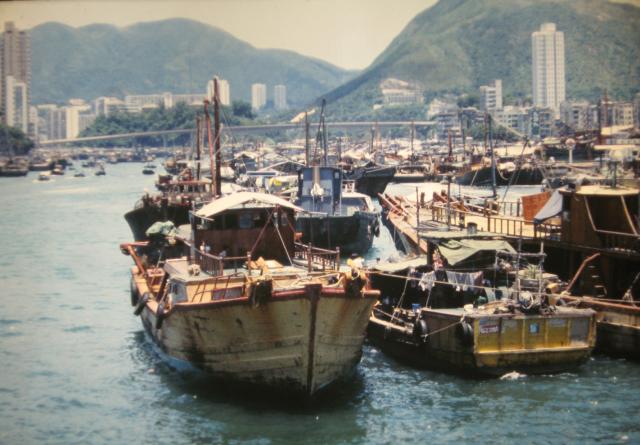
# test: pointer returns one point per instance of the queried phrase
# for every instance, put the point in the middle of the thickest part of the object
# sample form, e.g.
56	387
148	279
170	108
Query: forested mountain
176	55
458	45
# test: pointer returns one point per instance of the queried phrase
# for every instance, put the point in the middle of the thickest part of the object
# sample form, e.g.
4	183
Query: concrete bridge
243	129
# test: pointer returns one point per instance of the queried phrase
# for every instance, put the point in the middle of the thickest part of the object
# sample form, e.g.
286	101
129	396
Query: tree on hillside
181	116
13	141
242	109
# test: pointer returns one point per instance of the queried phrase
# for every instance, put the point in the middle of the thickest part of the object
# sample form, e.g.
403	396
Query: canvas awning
242	199
396	267
552	208
456	251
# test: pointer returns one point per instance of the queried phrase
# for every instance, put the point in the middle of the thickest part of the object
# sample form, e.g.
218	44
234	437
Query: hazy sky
347	33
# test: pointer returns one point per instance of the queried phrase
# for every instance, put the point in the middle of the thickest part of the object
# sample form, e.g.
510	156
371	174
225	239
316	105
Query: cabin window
231	221
259	220
245	221
178	292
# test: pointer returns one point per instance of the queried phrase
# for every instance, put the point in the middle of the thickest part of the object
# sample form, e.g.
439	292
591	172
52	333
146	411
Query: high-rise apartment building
280	97
491	96
15	76
16	106
258	95
224	91
547	47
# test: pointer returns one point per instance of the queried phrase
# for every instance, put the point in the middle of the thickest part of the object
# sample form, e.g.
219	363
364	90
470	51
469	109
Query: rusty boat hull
299	341
618	325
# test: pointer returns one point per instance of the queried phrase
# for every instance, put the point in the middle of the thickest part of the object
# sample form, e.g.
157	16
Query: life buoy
142	302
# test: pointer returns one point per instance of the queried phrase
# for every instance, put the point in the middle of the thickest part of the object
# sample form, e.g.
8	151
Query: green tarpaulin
456	251
161	228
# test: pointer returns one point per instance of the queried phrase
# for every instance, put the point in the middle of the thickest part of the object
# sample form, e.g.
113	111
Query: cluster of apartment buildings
259	97
68	121
15	78
54	121
550	111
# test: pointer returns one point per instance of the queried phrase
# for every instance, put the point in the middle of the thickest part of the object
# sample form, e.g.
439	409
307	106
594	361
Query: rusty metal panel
580	328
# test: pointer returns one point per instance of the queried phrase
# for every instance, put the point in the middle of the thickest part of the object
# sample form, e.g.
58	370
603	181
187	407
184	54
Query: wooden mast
198	145
306	138
216	117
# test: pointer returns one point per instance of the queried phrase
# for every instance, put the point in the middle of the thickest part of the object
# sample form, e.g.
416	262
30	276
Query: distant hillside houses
399	92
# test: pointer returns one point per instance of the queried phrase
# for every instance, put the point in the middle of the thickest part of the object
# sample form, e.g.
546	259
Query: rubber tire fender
135	295
142	302
160	315
420	329
465	333
376	227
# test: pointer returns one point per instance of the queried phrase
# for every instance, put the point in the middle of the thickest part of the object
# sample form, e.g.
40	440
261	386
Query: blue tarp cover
552	208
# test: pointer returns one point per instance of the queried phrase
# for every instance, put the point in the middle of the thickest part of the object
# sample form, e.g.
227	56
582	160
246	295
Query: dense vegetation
13	141
176	55
458	45
181	116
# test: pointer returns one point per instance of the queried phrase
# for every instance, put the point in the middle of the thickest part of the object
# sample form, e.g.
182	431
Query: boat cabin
246	222
319	189
600	216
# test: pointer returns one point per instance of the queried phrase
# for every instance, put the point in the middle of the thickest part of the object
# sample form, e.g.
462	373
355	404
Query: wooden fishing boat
618	323
14	167
459	321
334	218
370	179
491	340
270	325
590	233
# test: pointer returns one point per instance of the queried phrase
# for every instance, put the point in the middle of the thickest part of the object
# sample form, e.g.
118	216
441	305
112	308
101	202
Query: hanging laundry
427	280
463	280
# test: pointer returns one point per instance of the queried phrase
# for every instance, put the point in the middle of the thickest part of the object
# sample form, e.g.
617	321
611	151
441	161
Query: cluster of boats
246	278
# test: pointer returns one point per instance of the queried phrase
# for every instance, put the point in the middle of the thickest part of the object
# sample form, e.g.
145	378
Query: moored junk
234	309
479	322
14	167
173	204
334	218
574	224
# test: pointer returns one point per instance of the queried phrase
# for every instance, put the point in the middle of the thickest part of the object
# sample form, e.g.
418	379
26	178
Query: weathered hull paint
301	341
618	326
490	355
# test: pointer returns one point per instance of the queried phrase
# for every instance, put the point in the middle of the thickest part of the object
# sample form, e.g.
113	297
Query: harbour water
76	366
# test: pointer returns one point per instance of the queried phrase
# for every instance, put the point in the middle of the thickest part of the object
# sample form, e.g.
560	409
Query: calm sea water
76	367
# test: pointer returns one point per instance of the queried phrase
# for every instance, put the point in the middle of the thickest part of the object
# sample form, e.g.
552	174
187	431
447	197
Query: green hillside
458	45
175	55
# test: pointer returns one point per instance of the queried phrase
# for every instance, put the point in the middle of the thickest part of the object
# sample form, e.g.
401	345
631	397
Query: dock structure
594	220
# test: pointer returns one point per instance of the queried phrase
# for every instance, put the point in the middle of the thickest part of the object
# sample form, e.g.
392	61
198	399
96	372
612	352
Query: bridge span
240	129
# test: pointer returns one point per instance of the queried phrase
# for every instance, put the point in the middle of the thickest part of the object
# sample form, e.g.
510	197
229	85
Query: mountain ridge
178	55
458	45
